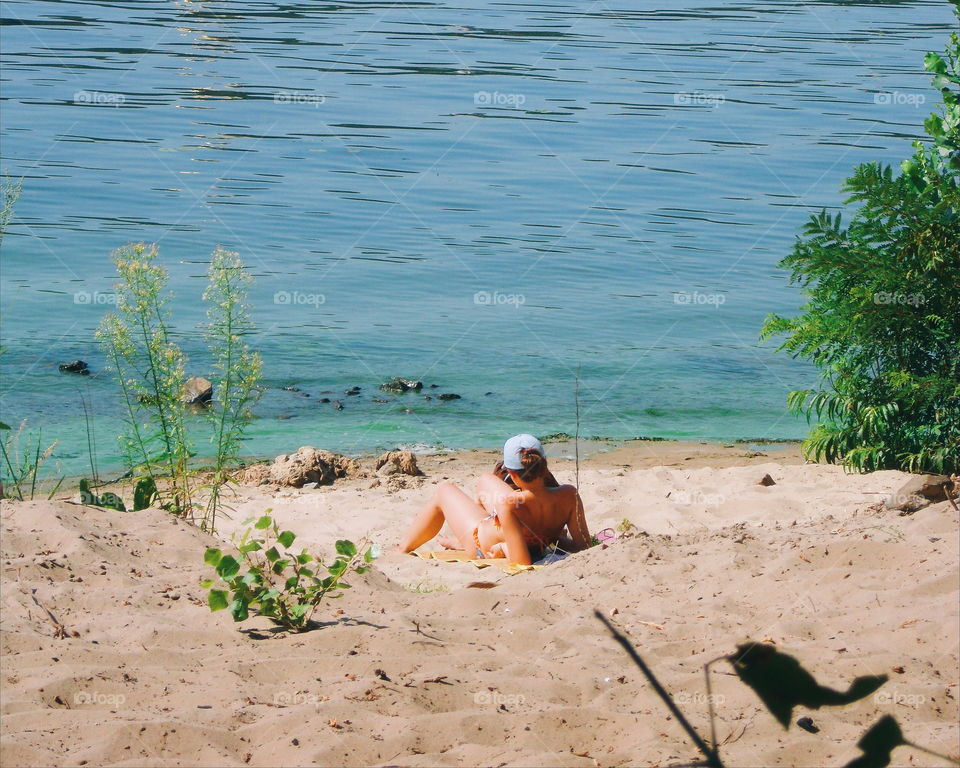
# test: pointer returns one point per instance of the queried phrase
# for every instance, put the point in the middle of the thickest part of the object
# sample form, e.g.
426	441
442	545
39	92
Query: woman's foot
449	543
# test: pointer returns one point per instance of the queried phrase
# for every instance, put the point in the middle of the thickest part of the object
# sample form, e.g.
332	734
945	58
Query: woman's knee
445	489
488	482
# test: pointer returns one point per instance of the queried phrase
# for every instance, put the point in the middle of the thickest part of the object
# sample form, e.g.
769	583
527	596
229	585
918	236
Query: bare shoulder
567	494
515	499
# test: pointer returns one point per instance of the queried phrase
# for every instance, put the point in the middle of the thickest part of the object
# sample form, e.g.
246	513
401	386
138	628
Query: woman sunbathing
515	523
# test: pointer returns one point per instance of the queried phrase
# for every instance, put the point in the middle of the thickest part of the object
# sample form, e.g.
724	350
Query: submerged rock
77	366
197	391
398	386
448	396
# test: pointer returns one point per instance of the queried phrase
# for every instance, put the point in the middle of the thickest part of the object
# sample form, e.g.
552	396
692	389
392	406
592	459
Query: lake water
484	197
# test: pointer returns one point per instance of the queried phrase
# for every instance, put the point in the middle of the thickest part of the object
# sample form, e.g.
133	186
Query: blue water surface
486	197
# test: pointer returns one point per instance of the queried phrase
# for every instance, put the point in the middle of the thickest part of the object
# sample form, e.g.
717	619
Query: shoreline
603	452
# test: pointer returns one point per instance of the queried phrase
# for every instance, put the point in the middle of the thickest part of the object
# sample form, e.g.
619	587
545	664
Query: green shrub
272	581
882	321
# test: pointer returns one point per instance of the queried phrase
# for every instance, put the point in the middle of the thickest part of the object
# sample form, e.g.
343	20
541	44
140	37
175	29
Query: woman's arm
577	524
517	550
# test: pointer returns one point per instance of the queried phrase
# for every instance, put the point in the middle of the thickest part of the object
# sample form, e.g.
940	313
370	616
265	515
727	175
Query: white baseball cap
516	444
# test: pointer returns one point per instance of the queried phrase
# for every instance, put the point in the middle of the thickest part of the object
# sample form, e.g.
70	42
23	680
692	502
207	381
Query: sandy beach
110	655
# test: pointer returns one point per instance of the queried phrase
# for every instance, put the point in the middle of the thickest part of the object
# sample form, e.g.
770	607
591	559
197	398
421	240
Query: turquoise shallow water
482	197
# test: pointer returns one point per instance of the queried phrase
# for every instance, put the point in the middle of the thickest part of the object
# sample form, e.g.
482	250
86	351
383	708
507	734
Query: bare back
546	513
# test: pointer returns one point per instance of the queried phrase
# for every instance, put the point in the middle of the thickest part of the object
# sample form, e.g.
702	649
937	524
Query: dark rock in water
77	366
380	400
197	391
398	386
290	389
448	396
767	480
434	386
327	392
351	391
324	400
338	405
303	394
427	397
487	394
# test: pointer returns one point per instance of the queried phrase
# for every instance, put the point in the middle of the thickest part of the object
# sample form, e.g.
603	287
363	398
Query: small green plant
270	580
144	494
23	459
150	368
238	369
107	500
625	527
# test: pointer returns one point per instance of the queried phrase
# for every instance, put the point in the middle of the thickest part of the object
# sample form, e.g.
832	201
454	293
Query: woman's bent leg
448	504
490	490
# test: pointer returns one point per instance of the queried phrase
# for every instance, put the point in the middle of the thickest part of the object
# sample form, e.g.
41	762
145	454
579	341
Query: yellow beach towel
459	556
